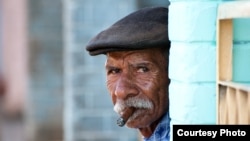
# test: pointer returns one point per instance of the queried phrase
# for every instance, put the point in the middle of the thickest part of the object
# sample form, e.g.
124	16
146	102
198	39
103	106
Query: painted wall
192	70
192	31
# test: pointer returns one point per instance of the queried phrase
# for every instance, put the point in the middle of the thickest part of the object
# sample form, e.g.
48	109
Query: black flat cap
145	28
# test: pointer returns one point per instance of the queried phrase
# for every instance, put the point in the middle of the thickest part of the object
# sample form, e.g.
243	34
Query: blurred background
50	88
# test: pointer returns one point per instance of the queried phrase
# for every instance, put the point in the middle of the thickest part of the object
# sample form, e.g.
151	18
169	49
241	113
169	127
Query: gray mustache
120	105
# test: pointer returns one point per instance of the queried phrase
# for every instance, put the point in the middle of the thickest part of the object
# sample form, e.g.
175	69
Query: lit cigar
125	116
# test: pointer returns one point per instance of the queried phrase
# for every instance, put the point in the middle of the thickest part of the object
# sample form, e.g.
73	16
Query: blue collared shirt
162	131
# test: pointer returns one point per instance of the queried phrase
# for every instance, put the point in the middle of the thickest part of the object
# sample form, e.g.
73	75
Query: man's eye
142	69
114	71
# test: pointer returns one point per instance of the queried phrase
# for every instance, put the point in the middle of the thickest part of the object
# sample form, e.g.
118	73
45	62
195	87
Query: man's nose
125	87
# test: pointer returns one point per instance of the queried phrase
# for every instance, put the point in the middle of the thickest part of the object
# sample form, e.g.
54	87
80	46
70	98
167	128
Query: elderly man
137	50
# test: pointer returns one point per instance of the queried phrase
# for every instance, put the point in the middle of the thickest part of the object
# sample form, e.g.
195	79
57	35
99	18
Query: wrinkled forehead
150	55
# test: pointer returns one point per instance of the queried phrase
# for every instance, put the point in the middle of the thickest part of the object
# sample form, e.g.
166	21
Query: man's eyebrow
141	64
108	67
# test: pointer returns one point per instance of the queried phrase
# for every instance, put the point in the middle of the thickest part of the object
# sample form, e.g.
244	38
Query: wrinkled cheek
147	83
110	85
111	90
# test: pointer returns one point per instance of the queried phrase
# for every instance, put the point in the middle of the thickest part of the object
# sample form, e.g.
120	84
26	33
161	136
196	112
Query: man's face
138	79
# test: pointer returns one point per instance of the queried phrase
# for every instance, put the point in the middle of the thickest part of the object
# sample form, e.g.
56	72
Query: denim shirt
162	131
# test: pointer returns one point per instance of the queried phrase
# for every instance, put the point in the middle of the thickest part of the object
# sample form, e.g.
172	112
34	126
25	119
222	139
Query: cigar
125	116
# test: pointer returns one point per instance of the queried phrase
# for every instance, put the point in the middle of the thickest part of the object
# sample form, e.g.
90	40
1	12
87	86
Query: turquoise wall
192	31
192	68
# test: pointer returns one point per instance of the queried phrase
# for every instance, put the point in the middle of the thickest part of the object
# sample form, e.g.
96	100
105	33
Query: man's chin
136	124
138	119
